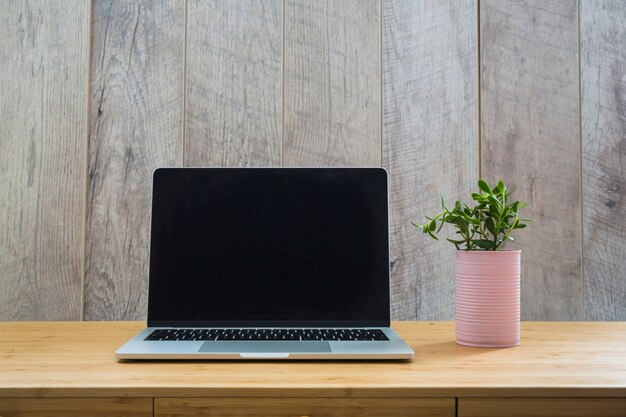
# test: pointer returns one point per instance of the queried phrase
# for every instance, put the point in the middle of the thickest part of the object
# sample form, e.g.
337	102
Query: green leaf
473	221
519	226
499	189
432	226
431	235
485	244
444	219
456	242
490	225
451	218
493	200
461	224
477	197
482	184
457	205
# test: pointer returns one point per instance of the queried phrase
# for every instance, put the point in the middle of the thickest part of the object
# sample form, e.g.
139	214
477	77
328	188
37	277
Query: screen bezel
382	322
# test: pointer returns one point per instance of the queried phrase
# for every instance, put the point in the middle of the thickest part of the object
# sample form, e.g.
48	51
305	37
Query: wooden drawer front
75	407
309	407
542	407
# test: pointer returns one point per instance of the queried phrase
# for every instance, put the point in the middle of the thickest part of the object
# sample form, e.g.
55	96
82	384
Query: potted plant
487	277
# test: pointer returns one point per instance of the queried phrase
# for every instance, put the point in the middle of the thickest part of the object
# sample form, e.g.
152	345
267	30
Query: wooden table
560	369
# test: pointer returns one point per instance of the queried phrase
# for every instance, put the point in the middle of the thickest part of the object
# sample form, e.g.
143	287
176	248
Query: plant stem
506	236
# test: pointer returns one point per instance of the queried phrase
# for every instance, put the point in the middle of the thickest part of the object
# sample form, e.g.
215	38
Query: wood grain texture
531	139
430	141
44	48
603	112
332	83
555	359
136	126
76	407
309	407
542	407
233	113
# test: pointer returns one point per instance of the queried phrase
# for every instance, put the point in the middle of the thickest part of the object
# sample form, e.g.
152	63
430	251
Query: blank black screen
269	247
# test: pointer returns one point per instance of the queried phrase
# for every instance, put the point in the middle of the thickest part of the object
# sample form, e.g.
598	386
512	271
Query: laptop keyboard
268	334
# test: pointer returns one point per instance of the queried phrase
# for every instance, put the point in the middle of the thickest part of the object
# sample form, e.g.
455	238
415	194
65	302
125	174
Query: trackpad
265	347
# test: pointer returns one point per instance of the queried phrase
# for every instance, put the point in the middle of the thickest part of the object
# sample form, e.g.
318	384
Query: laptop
268	263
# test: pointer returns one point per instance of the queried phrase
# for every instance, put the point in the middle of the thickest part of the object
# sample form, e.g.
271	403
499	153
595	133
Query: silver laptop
268	263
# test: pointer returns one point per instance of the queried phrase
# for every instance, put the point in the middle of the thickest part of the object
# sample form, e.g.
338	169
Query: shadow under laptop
263	361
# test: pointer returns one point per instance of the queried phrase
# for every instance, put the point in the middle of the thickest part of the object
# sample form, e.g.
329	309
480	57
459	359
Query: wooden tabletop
75	359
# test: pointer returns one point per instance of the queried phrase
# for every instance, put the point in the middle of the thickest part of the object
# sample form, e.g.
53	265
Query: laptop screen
269	247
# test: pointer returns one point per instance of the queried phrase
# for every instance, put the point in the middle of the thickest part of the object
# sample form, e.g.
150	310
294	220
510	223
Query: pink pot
488	298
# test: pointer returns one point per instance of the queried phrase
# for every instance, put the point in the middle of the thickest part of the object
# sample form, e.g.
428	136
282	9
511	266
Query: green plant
487	225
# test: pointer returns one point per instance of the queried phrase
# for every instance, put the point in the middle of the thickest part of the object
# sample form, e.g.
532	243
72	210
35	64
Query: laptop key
351	335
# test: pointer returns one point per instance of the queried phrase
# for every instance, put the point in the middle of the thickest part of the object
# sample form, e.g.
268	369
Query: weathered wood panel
332	71
430	141
44	48
136	126
293	407
541	407
233	113
76	407
530	138
603	112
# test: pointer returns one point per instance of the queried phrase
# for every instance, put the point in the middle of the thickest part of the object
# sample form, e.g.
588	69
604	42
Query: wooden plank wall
603	113
44	49
332	83
530	136
136	124
95	95
430	122
233	100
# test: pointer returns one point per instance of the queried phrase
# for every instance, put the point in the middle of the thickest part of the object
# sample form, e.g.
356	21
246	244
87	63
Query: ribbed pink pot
488	298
